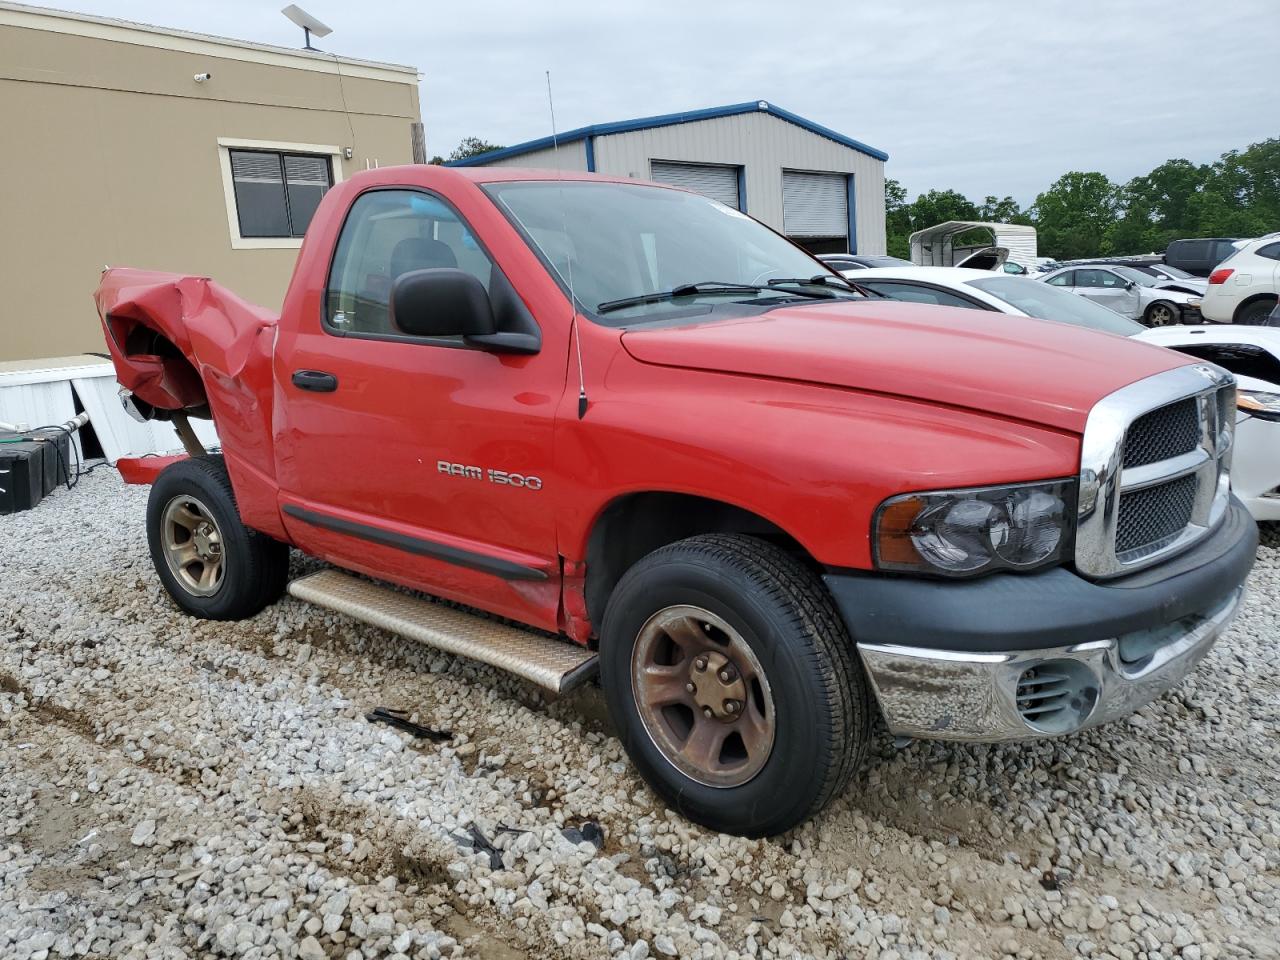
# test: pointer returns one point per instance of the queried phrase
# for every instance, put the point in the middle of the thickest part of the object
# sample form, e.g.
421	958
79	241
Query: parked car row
1131	293
1220	280
1251	353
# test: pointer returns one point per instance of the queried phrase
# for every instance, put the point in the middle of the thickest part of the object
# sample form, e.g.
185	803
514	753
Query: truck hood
1034	370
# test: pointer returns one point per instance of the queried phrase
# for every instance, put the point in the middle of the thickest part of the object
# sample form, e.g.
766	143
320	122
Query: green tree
1241	193
938	206
897	219
1004	210
1157	207
1073	216
469	147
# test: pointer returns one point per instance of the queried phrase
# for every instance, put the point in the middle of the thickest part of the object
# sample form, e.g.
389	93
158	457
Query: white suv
1243	287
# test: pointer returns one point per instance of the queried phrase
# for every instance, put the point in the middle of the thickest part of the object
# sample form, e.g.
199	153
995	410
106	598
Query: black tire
255	567
1162	314
1255	314
786	616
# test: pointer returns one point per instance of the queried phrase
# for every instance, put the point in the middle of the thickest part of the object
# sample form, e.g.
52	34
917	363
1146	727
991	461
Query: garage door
718	183
815	204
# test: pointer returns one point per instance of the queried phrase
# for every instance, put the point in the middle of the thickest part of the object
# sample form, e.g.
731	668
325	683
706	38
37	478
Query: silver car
1129	292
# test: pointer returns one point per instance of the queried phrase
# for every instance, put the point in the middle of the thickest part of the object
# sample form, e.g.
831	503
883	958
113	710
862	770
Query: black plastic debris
400	720
588	831
479	843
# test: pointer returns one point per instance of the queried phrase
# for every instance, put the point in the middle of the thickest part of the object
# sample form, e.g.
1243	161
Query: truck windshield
646	252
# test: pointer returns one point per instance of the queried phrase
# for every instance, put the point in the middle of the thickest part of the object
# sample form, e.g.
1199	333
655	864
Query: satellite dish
307	22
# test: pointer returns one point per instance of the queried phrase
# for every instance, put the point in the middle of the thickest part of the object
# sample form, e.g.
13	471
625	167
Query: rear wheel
1161	314
1255	314
211	564
733	683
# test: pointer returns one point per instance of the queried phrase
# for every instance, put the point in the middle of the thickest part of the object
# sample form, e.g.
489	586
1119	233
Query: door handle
317	381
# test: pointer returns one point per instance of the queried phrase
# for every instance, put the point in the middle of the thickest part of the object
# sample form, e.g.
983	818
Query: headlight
1259	403
959	533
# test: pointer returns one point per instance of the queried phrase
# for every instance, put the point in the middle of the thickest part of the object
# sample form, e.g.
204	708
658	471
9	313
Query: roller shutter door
815	204
718	183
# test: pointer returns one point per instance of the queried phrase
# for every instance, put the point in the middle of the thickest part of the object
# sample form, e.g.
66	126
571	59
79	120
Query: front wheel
211	564
733	683
1162	314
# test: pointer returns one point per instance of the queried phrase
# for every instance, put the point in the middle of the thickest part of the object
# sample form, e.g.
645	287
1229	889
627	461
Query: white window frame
226	145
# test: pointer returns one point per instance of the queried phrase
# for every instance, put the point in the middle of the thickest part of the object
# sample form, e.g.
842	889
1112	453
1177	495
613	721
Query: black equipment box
30	469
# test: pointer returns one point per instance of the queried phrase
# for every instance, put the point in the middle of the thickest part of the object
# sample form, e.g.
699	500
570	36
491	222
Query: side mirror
1130	284
441	302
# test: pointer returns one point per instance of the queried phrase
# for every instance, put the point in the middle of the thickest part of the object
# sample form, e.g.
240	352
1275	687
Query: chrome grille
1148	518
1163	433
1154	469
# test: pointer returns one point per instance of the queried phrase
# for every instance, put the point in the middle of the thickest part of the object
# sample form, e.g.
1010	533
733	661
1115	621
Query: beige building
133	145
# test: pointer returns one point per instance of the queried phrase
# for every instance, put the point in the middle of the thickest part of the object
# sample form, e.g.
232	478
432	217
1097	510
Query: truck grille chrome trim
1153	480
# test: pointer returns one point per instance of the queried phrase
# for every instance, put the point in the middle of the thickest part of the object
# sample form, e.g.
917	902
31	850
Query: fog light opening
1056	696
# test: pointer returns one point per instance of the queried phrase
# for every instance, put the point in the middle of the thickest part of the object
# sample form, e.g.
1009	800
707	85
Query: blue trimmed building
819	187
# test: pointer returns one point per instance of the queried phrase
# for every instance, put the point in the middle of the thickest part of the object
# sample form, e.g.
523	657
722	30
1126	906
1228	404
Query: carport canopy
935	246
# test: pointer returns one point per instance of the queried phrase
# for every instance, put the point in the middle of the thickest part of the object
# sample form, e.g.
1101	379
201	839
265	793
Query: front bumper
1014	657
945	695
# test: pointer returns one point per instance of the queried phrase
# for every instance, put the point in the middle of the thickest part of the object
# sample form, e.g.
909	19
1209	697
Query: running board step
555	665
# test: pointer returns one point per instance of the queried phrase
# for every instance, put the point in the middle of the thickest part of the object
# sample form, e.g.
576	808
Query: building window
277	193
272	189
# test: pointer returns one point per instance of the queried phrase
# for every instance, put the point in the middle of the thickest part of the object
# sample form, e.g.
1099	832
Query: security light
307	22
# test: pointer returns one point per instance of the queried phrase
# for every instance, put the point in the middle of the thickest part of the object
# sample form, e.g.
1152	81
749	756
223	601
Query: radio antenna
568	250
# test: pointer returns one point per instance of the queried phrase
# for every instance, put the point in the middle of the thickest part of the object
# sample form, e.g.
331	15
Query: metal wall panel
766	146
121	435
717	182
37	404
38	393
570	156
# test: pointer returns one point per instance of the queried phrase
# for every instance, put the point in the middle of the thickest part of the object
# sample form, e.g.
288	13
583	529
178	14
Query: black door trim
415	545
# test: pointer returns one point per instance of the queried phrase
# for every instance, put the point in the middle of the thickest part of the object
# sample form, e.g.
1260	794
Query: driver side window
1098	278
389	233
1063	279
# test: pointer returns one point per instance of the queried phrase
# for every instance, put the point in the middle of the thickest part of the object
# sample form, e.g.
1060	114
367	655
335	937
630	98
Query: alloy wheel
193	547
703	696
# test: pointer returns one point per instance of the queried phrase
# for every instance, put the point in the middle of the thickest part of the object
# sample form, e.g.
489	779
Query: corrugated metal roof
667	120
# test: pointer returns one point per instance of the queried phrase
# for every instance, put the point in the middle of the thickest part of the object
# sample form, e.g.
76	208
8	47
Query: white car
1243	287
1129	292
1251	353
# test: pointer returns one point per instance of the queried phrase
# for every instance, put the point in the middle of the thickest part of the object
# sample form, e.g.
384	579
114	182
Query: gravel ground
173	788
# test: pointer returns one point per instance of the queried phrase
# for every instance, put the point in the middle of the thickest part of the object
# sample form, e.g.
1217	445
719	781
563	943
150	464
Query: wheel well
179	376
1250	301
635	525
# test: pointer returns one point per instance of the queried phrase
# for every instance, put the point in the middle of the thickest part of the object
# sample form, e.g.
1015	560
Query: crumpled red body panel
213	348
214	330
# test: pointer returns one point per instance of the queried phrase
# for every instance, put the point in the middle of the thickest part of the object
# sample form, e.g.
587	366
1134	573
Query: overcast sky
987	98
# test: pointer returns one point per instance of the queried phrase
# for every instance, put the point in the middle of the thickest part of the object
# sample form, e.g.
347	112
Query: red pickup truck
641	433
